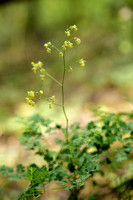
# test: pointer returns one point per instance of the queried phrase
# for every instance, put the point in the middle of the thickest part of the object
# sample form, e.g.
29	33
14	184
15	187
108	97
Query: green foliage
72	165
77	160
37	177
13	175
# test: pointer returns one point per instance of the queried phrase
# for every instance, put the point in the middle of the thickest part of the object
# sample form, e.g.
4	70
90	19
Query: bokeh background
106	30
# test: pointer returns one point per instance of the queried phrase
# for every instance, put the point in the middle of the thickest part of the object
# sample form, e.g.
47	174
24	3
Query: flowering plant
79	154
32	96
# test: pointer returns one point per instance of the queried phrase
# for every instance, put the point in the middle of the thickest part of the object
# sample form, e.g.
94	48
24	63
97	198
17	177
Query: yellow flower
36	66
63	47
67	32
53	99
34	70
30	102
40	64
42	77
60	54
49	50
65	43
77	40
70	44
27	99
82	62
31	94
50	105
42	71
47	45
74	27
41	92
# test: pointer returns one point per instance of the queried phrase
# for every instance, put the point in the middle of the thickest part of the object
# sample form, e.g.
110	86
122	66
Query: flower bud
34	70
74	27
67	32
65	43
40	64
60	54
50	105
49	50
30	102
31	94
41	92
42	77
82	62
77	40
53	100
70	44
47	45
42	71
63	47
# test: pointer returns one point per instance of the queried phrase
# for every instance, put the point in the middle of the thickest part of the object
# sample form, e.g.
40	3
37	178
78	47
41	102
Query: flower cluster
67	43
48	47
71	28
82	62
52	100
37	66
35	96
42	75
31	97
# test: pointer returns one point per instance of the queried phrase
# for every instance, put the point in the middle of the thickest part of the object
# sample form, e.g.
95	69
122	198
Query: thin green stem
53	78
63	97
56	48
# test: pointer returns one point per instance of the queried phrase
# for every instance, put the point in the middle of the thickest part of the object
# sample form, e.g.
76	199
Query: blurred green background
106	30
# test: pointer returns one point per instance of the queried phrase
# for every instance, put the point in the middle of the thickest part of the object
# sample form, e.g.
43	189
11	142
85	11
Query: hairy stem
63	106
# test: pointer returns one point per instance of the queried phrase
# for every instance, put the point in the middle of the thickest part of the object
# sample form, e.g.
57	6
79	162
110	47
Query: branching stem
53	78
56	48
